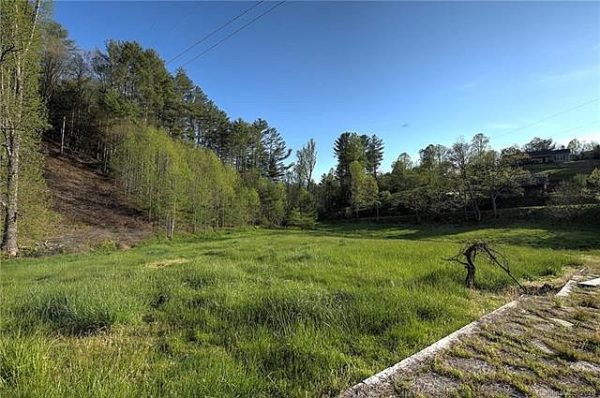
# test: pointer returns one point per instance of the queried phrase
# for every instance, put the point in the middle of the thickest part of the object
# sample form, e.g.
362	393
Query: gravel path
545	346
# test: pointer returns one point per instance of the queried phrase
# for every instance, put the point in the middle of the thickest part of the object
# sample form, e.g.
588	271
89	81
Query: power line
549	117
233	33
563	133
174	26
203	39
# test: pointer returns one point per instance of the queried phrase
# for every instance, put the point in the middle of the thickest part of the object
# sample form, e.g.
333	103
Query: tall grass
263	313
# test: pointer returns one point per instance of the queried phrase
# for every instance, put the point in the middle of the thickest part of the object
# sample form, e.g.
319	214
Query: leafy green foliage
363	188
272	201
593	183
183	187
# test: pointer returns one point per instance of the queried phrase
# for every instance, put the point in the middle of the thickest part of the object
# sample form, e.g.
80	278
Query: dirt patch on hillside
94	212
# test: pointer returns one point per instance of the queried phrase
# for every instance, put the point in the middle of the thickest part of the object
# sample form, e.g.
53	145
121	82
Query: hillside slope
557	172
93	211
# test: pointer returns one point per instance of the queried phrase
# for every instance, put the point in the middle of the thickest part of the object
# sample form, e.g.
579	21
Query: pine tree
275	152
374	154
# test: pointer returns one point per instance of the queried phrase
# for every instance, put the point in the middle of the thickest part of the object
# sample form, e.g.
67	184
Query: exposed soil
546	346
93	211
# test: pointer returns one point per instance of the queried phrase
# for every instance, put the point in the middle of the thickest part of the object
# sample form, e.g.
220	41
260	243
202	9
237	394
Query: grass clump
67	313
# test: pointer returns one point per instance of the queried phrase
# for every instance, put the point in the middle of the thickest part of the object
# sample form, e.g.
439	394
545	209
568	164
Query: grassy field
252	313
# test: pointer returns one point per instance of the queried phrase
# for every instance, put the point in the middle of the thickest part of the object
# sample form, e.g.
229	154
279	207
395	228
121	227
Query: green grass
564	171
251	313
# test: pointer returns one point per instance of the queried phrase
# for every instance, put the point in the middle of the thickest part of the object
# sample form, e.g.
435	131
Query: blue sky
413	73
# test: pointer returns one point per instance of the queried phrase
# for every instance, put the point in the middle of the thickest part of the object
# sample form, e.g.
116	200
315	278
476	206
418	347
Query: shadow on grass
537	235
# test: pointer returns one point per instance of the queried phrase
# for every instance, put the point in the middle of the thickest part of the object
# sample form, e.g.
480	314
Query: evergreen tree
374	154
275	152
348	148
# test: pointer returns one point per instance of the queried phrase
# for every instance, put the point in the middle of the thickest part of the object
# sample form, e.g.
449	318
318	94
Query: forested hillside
171	148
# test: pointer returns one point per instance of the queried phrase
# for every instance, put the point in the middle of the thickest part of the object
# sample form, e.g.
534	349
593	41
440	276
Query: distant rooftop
549	152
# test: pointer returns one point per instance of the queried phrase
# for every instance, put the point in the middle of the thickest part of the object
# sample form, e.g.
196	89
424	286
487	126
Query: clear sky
413	73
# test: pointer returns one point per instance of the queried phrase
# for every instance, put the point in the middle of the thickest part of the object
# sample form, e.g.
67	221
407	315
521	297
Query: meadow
254	313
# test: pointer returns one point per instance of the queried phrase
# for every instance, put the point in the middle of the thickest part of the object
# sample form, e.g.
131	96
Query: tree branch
11	49
34	19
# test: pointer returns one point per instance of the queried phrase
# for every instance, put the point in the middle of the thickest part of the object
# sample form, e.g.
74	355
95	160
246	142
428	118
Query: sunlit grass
249	313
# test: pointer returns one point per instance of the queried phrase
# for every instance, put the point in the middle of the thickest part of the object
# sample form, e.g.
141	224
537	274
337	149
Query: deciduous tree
20	103
540	144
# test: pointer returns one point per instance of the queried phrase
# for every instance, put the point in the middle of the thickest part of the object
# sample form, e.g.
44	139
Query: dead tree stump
466	256
470	254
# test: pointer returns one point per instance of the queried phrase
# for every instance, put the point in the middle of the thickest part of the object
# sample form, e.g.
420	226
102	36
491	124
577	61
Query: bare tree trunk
62	135
470	281
9	237
476	210
171	222
470	266
195	222
72	127
223	215
149	199
170	227
494	207
105	158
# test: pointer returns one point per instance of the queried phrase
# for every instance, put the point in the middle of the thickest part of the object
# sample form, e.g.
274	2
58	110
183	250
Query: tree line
445	182
188	165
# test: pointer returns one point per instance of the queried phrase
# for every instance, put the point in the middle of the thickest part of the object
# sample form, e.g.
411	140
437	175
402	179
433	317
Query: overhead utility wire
563	133
233	33
549	117
207	36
